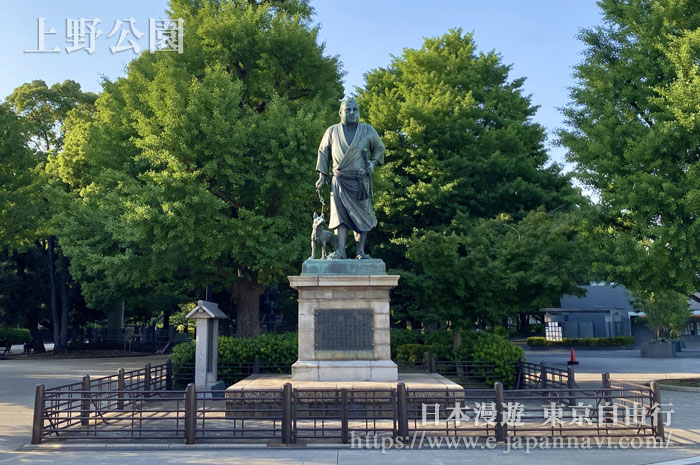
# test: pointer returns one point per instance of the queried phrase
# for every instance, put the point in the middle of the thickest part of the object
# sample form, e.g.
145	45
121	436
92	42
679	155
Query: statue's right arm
322	179
324	159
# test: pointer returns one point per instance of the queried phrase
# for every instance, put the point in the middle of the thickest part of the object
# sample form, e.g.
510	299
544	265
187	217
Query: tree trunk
65	303
247	294
523	322
32	322
456	340
55	318
223	299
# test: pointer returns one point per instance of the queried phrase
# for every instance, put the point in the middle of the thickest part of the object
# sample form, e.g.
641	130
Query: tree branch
220	194
221	271
274	204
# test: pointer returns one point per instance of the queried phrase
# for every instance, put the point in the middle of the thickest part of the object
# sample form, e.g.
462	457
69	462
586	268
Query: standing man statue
347	156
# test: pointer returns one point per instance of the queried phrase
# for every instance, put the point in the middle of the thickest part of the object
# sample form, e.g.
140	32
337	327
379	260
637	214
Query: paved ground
625	365
19	377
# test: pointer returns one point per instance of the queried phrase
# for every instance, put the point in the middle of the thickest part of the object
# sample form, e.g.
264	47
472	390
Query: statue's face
349	112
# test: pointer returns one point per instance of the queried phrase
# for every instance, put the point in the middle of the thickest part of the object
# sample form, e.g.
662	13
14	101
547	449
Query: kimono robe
351	193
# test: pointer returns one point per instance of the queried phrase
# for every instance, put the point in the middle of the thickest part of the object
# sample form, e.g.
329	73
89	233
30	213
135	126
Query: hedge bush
617	341
437	344
401	337
14	335
266	348
411	352
476	346
487	347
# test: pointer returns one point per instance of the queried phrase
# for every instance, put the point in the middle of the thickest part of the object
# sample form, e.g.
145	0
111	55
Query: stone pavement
627	365
623	365
19	377
198	455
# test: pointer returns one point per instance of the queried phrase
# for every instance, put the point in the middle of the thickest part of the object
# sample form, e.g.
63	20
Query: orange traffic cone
573	360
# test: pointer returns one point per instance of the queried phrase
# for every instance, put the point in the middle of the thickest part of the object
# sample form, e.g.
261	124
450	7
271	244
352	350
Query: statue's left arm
376	148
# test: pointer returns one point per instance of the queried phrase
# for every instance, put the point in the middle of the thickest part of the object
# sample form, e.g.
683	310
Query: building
606	311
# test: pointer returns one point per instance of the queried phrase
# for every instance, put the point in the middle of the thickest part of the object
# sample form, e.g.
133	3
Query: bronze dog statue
322	237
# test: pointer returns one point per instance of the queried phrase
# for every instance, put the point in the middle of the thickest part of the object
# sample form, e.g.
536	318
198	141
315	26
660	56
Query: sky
536	37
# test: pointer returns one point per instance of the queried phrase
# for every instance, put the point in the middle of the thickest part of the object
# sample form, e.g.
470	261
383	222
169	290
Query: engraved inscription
340	329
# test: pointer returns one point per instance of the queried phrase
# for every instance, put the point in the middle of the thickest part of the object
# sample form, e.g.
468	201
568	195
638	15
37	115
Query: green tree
462	149
666	312
19	200
633	134
544	256
43	111
195	167
22	275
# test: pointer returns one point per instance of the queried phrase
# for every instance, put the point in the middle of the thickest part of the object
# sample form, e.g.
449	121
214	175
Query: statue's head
349	111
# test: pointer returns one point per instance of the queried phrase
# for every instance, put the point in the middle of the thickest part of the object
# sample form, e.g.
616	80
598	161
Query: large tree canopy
197	168
43	112
20	202
462	152
634	136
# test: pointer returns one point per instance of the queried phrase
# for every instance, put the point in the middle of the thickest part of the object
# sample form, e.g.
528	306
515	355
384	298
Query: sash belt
354	175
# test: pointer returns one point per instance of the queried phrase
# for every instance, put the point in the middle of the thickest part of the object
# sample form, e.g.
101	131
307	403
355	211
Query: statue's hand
361	172
321	181
370	167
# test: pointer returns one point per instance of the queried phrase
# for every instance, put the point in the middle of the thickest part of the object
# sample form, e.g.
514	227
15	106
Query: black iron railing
139	405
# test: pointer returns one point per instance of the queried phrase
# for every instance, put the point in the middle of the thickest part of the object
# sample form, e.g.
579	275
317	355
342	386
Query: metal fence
139	405
81	406
541	376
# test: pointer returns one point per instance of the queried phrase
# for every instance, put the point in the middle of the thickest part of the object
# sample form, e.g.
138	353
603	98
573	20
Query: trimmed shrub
267	347
487	347
234	353
443	337
440	345
183	353
617	341
501	331
440	351
14	335
412	352
401	337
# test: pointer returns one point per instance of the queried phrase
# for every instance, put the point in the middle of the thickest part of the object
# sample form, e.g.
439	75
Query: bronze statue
320	236
347	156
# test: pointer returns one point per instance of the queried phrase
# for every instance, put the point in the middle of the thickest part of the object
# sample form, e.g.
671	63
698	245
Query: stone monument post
207	315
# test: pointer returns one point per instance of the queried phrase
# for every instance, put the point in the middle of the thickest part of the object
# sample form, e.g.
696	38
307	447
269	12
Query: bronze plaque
341	329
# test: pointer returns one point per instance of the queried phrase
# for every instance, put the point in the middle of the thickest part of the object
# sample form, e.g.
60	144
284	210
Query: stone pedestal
656	349
344	321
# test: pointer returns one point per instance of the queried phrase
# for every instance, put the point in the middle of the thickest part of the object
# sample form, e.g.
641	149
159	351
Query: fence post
85	402
190	413
256	366
121	387
543	375
571	385
500	413
432	368
147	379
38	422
344	434
169	375
607	398
287	413
402	401
657	413
520	380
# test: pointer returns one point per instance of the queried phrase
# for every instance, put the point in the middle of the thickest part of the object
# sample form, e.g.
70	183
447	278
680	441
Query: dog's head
318	220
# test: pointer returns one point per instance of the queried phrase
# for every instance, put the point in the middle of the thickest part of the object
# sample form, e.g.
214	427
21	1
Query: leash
320	198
